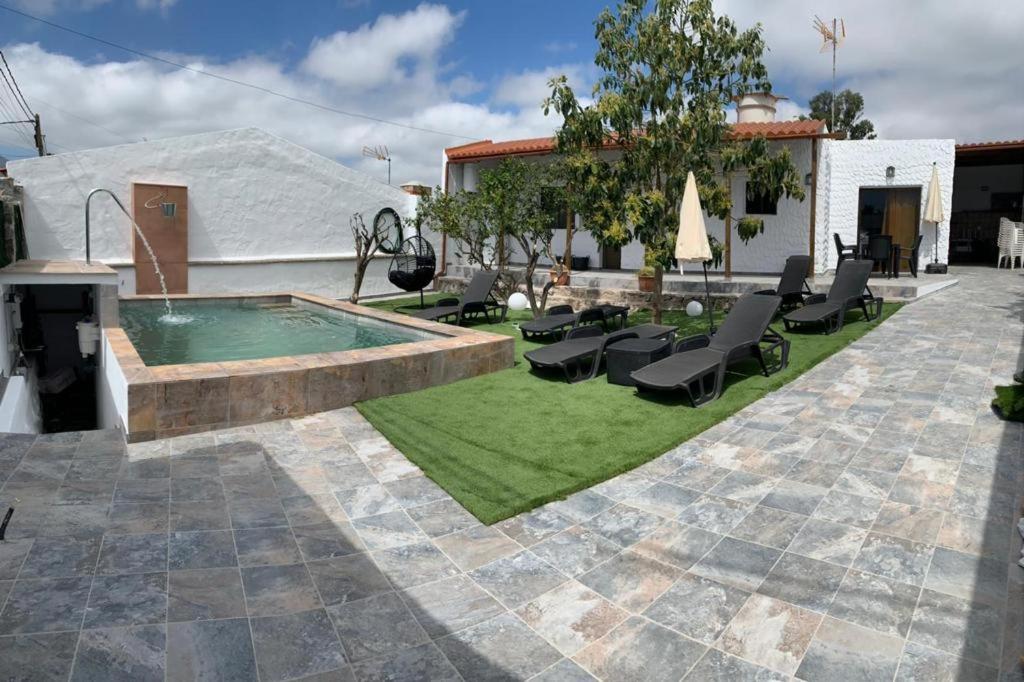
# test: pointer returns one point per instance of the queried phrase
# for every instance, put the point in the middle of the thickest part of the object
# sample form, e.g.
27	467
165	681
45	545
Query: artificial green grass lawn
509	441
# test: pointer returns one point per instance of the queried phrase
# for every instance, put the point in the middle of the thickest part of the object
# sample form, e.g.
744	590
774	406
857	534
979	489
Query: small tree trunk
531	295
656	294
360	272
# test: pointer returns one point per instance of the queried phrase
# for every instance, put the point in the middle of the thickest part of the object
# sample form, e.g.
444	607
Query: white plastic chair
1010	242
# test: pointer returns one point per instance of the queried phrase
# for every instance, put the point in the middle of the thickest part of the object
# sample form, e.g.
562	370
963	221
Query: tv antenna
831	36
381	153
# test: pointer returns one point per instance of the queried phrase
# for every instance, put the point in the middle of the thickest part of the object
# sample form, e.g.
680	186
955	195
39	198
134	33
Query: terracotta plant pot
560	279
646	283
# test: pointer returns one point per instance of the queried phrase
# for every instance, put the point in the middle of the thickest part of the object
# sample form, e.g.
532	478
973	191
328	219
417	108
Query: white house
853	188
253	212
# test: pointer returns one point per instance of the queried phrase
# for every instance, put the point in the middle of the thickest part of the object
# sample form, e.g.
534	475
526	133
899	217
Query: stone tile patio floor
858	524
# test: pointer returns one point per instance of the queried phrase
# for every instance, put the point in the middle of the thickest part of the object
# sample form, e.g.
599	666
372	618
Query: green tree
669	71
849	114
508	208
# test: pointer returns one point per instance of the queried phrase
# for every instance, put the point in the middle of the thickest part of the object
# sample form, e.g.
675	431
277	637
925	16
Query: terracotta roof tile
546	145
998	144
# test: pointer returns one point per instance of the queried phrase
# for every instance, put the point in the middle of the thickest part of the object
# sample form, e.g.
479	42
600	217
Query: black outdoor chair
559	318
845	252
477	299
849	290
880	252
793	282
909	255
699	363
413	266
579	356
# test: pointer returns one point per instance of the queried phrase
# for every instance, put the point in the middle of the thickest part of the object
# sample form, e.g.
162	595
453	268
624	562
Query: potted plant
645	277
559	273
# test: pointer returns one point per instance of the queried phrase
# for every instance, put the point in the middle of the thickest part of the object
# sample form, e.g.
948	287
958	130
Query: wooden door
611	258
166	230
902	216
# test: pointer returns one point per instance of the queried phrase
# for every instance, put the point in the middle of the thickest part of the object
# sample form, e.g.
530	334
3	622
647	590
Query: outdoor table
628	355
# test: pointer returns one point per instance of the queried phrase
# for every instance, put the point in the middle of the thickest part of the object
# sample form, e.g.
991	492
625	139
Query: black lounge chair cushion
477	298
677	370
559	353
814	312
548	323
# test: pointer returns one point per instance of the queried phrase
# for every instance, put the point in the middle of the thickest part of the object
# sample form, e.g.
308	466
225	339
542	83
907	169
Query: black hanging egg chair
413	265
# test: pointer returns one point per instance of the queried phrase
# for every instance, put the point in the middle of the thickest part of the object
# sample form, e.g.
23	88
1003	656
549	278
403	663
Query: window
759	204
554	205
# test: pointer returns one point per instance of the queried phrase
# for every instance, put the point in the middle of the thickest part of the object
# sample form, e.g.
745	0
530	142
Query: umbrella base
936	269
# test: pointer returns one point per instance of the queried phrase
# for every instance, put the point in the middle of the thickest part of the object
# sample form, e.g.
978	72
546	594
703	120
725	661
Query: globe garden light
518	301
694	308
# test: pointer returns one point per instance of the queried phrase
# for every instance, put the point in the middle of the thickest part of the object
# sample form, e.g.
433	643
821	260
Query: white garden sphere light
694	308
518	301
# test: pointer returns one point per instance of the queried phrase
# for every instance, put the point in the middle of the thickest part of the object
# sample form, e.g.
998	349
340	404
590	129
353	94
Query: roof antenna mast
831	35
381	153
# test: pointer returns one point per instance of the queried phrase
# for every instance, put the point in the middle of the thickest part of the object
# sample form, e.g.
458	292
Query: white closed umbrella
692	245
933	208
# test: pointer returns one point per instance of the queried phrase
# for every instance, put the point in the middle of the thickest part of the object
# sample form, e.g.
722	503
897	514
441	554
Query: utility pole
40	139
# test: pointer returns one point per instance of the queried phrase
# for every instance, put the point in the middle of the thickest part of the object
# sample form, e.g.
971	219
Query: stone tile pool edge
173	400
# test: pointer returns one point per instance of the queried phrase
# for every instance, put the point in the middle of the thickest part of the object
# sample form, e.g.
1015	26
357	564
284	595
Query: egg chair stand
413	266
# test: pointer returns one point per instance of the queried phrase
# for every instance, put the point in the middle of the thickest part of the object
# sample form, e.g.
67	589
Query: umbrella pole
707	292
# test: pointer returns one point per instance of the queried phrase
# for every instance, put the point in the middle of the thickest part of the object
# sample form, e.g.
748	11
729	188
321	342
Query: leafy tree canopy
849	114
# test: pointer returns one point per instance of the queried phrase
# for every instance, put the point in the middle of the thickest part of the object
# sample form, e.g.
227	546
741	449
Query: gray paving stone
875	602
330	539
266	546
807	583
44	605
738	563
411	565
278	590
576	550
828	541
894	558
640	650
347	578
697	607
718	666
500	647
840	650
476	546
133	654
677	544
378	626
39	656
201	549
517	579
450	605
423	662
134	599
957	626
210	650
205	594
296	645
767	526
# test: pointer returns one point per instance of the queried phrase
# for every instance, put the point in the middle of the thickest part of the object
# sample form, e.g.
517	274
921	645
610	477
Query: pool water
205	331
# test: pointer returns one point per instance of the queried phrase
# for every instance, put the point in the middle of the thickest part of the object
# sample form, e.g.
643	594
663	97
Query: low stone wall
172	400
580	297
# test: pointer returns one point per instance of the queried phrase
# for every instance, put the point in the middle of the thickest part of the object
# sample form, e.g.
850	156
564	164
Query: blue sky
478	69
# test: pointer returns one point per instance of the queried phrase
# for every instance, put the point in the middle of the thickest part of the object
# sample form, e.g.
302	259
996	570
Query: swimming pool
239	359
214	330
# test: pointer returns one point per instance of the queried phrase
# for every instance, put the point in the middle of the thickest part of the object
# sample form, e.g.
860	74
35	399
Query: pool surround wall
173	400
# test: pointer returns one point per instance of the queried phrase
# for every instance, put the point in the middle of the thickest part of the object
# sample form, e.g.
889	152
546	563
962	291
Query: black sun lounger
476	299
561	317
849	290
579	355
698	363
793	283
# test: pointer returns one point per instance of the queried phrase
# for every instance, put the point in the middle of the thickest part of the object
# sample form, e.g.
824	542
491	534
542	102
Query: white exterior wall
846	166
785	234
264	214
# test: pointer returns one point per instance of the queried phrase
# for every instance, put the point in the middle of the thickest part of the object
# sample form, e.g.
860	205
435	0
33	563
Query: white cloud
529	88
387	52
141	99
50	7
558	46
926	69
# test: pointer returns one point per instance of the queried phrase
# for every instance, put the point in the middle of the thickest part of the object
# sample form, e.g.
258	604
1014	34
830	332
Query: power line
14	95
23	101
228	79
82	119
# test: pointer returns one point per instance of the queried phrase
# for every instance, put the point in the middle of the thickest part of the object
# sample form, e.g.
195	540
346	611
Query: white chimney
756	107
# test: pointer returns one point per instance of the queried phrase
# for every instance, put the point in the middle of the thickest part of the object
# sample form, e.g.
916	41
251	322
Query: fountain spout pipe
88	199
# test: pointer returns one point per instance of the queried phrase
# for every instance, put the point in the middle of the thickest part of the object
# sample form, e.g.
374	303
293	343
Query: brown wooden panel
902	211
168	237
